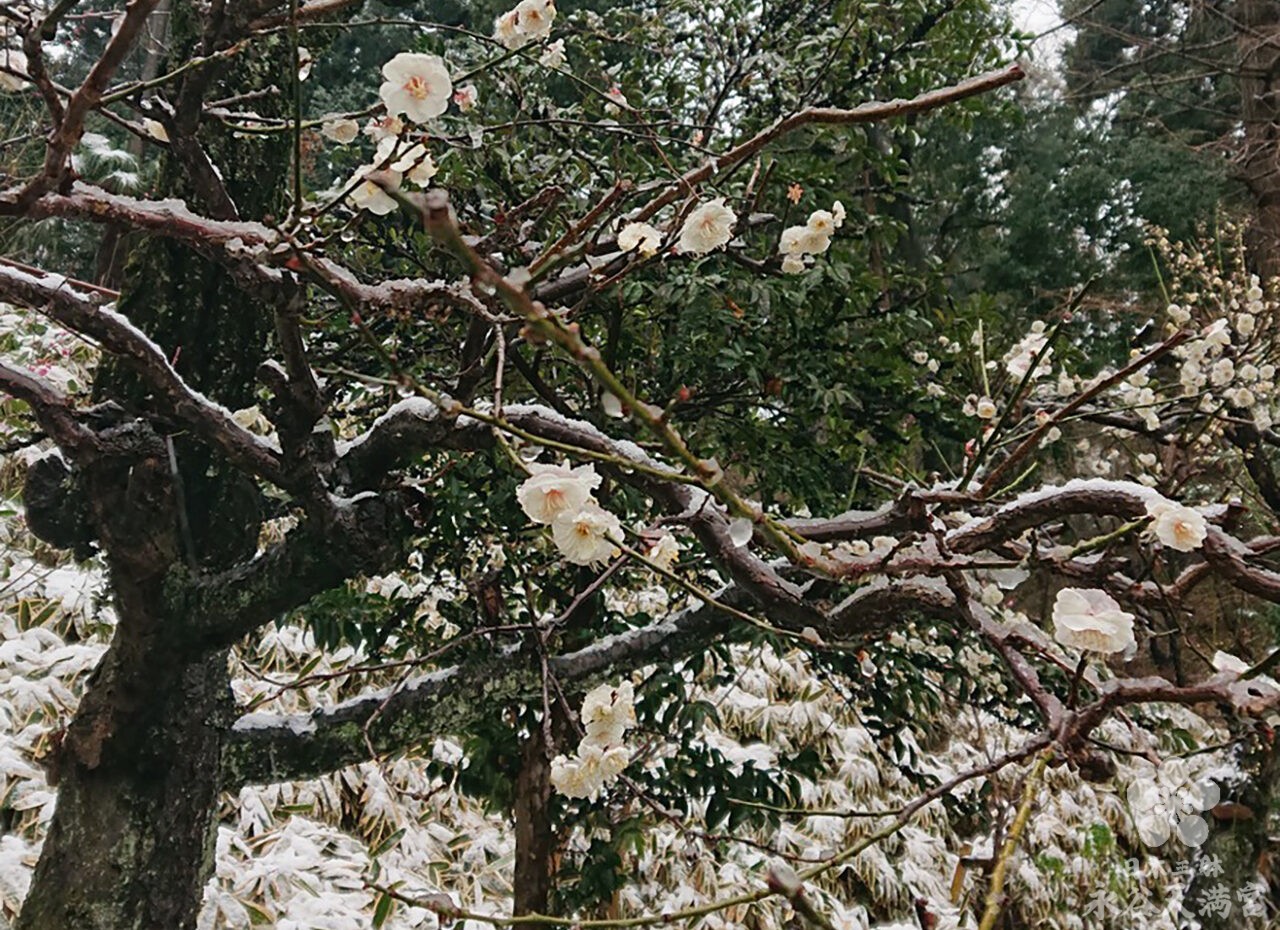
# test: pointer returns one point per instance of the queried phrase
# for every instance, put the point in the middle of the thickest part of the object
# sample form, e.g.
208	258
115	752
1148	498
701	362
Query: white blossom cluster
418	87
608	711
530	21
799	244
706	228
560	496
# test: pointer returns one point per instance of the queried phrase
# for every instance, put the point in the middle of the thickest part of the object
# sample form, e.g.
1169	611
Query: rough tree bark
131	842
1258	44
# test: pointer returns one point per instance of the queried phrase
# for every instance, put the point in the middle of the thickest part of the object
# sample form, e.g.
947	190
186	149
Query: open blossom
802	240
640	236
617	100
708	227
1018	360
1086	618
529	21
813	238
607	713
553	490
665	551
823	222
586	536
587	774
14	60
386	127
416	85
1177	526
553	55
793	264
466	97
342	131
415	162
370	190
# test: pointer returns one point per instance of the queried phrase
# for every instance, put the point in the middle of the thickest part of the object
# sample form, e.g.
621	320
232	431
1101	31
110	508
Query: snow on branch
265	748
91	316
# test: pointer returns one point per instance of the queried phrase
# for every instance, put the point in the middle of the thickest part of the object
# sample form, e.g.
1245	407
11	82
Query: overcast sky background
1037	17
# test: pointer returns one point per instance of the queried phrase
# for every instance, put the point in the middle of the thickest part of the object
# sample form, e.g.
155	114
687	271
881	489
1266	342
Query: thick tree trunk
131	843
1258	42
535	839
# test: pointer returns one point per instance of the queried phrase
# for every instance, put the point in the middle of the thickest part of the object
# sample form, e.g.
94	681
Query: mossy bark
138	771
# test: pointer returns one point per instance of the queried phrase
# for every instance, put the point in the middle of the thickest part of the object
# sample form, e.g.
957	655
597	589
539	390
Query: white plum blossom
466	97
802	240
985	408
415	163
1177	526
708	227
813	238
1018	359
417	85
793	264
553	55
587	774
1241	397
370	189
587	536
1222	372
1089	619
640	236
665	551
824	223
342	131
385	127
553	490
607	713
617	101
529	21
506	29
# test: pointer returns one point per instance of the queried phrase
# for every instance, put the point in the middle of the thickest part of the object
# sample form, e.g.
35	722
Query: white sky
1039	16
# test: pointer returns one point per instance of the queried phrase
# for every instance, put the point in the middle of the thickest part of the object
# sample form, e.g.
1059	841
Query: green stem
995	893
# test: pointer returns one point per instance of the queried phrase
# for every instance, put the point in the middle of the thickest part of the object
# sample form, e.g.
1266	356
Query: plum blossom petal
587	536
640	236
341	131
417	85
370	190
553	490
1177	526
1089	619
708	227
